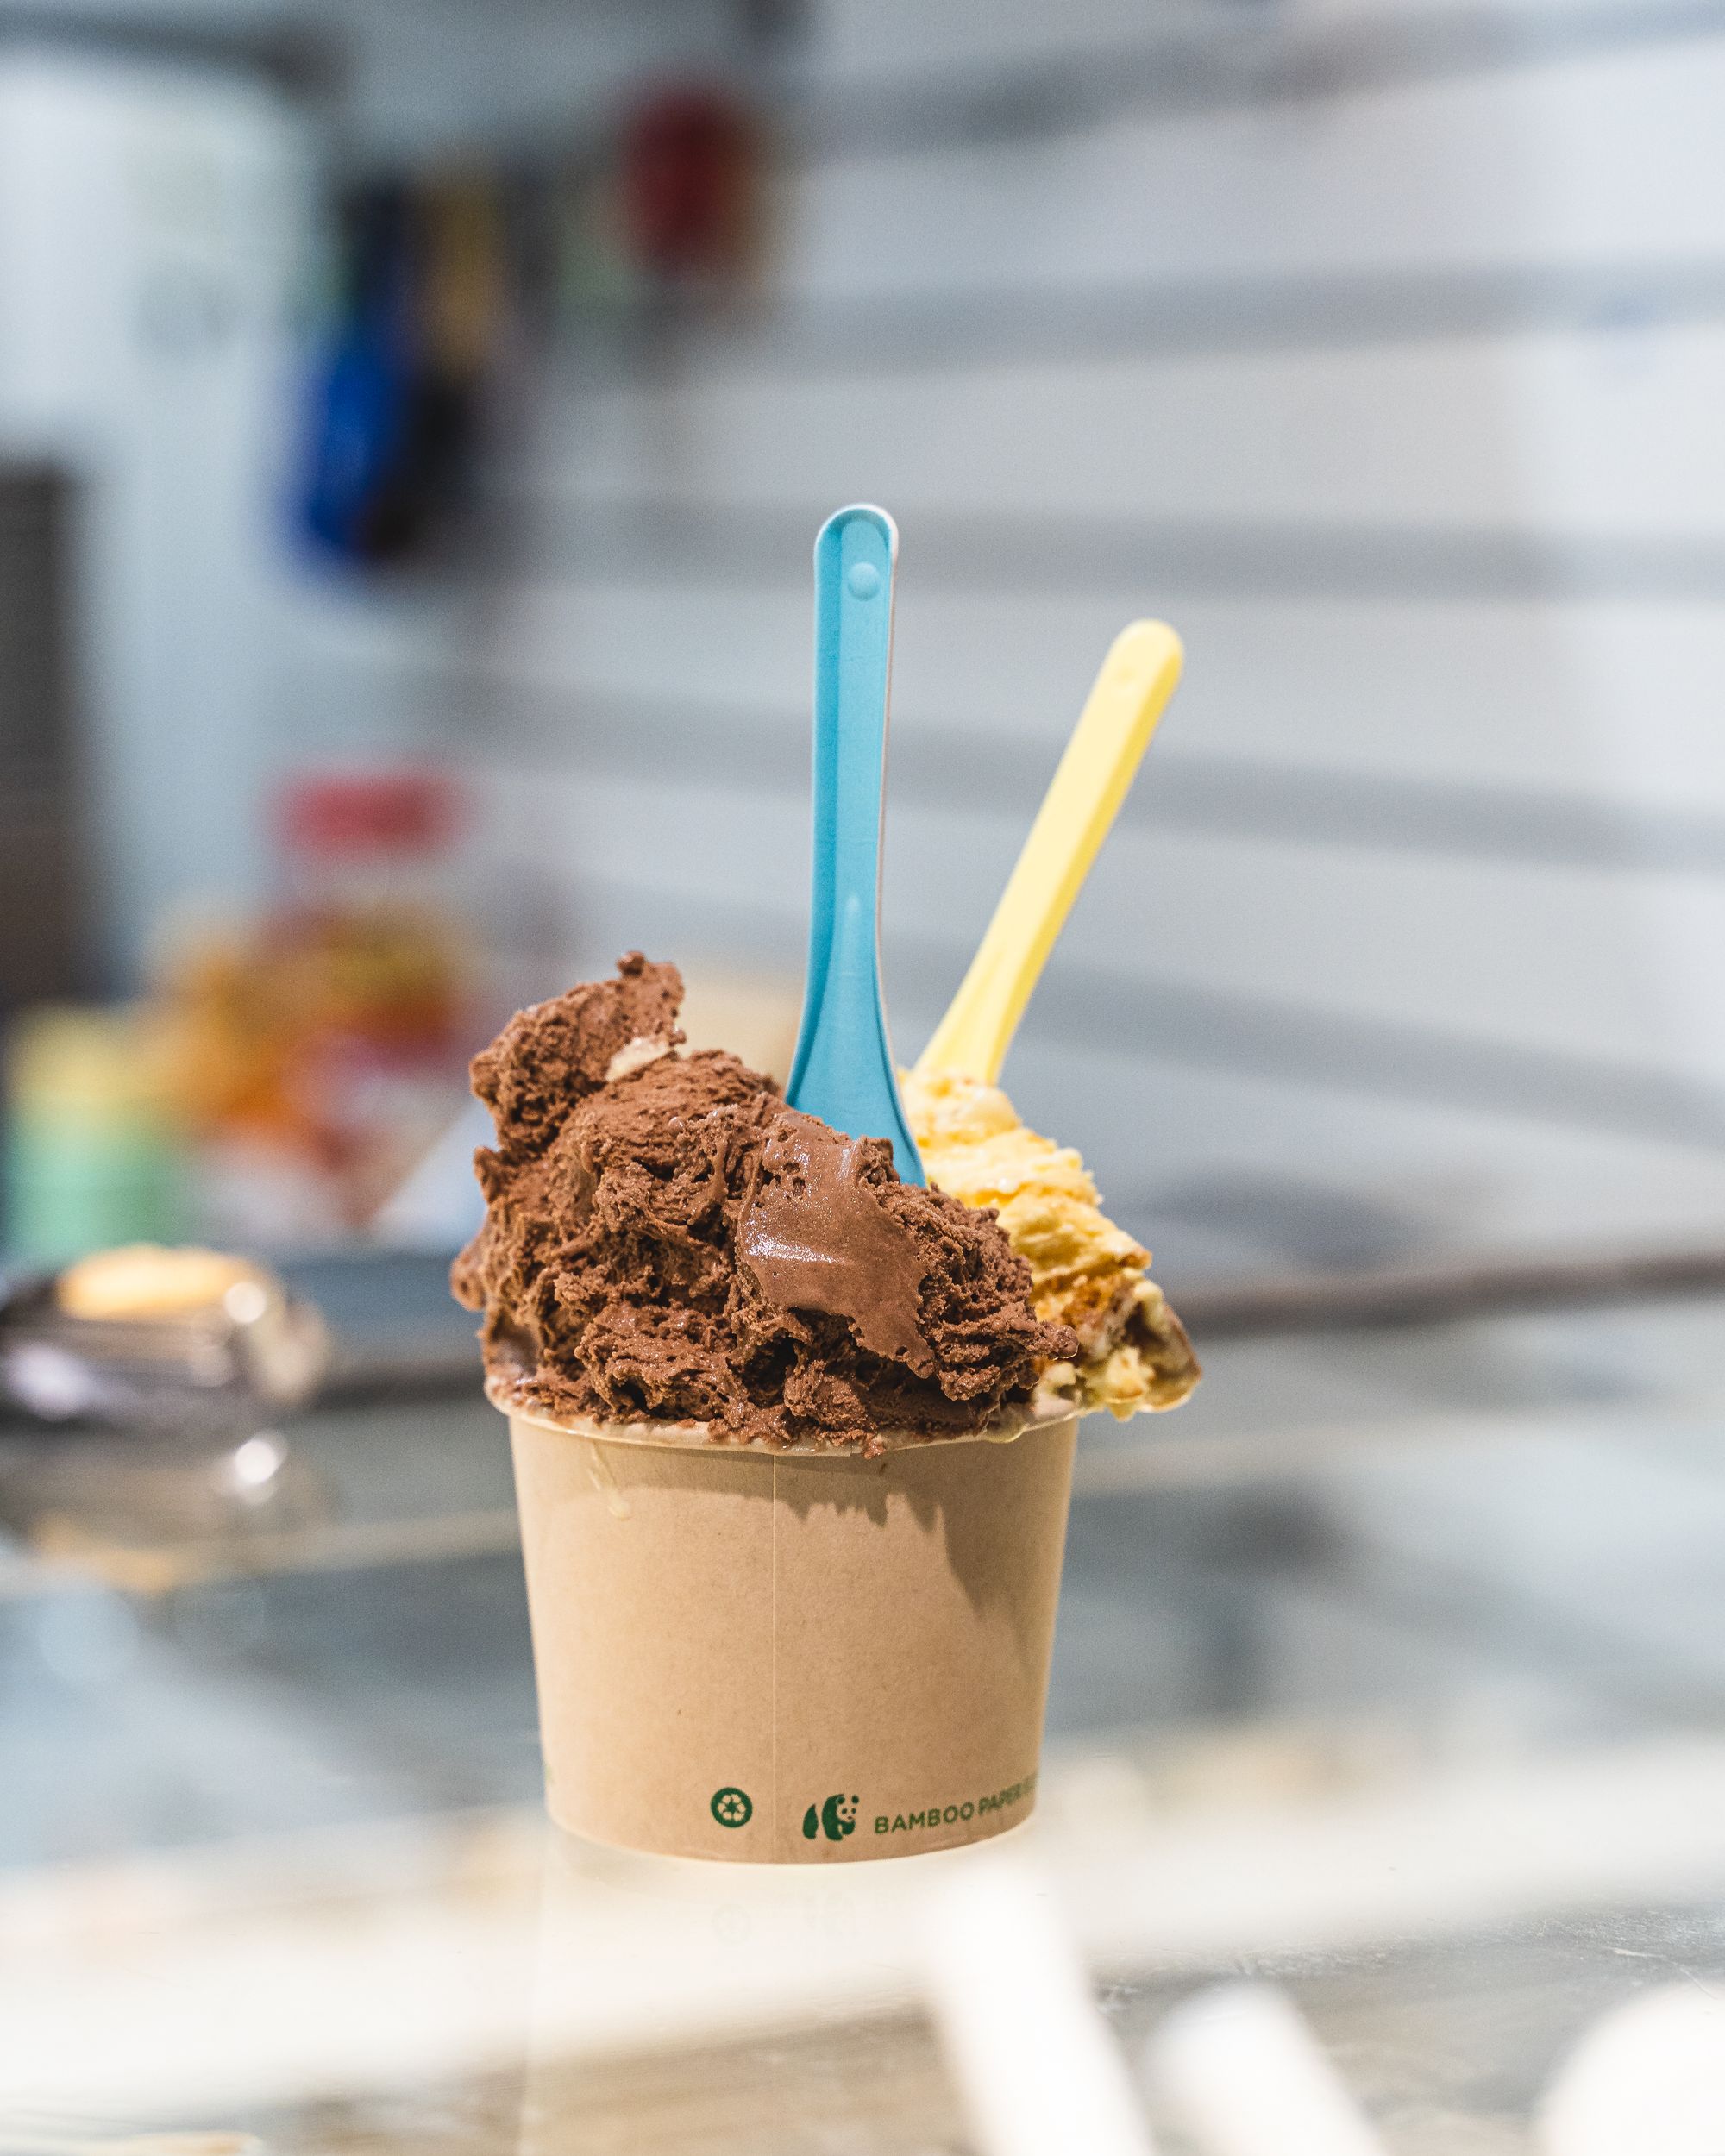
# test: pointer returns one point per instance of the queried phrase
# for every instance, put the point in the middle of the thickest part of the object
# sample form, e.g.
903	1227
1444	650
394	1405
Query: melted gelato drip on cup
793	1490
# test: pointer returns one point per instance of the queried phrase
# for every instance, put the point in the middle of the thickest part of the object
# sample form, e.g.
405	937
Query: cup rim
696	1437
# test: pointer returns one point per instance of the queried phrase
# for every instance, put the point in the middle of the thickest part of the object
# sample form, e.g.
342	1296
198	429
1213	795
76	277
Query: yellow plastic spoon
1138	677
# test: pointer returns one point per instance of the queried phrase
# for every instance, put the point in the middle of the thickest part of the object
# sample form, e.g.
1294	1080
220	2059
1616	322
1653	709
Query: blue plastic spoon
843	1071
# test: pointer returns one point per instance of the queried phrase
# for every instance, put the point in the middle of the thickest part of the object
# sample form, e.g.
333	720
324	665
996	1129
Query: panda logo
835	1819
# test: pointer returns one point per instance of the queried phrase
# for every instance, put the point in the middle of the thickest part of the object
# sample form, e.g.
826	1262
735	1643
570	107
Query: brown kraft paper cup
790	1658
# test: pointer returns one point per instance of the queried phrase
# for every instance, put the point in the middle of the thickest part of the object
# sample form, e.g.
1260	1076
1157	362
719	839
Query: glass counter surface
1390	1693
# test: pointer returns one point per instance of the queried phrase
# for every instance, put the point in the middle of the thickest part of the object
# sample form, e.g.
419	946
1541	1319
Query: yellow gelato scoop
1085	1272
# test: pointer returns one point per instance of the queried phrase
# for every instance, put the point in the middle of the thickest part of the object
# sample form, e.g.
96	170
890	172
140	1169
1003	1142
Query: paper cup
790	1658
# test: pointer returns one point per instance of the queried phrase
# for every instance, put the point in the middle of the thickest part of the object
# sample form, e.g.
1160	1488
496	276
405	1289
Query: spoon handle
1137	679
843	1071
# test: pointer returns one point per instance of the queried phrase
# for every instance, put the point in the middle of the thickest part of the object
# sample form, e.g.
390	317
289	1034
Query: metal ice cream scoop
156	1339
843	1070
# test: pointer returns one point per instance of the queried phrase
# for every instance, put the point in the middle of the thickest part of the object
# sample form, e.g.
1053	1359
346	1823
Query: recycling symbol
732	1808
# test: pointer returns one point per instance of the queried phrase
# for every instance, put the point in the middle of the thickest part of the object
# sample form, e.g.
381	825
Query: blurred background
415	422
415	419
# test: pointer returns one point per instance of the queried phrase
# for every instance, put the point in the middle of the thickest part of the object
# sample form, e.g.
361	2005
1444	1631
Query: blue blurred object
393	416
360	418
843	1070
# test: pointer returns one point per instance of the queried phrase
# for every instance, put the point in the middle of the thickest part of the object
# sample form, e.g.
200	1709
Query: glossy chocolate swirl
672	1242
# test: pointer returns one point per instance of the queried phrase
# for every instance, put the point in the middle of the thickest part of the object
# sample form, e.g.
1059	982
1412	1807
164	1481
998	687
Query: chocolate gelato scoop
665	1239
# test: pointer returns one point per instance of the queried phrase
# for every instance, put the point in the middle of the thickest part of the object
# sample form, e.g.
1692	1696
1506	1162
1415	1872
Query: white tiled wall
1382	349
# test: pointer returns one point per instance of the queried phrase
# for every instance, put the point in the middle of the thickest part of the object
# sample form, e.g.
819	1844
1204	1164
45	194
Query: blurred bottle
691	173
422	304
95	1152
320	1052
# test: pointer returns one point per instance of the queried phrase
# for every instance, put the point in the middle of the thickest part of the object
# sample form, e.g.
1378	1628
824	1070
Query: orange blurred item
150	1281
319	1051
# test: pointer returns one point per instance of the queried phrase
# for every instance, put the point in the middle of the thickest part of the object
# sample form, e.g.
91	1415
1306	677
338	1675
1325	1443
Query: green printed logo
835	1819
732	1808
950	1815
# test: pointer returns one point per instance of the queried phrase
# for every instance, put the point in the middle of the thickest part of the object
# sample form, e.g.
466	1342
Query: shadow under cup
790	1659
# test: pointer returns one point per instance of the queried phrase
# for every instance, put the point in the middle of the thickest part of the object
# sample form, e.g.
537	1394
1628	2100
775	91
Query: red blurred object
689	169
392	811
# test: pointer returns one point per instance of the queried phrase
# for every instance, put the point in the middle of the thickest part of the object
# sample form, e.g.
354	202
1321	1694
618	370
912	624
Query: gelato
665	1239
1085	1272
